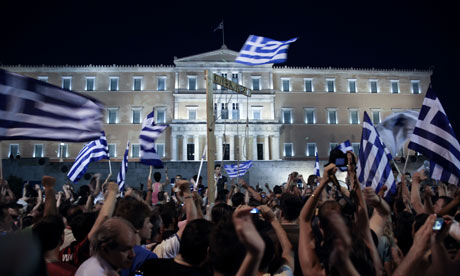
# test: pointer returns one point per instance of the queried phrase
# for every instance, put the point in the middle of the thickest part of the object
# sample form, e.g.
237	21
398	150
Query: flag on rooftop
32	109
317	165
345	146
91	152
434	137
220	27
236	170
396	129
374	169
149	133
258	50
123	169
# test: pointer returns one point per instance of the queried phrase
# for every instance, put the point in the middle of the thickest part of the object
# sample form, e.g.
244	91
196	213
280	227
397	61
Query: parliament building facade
292	113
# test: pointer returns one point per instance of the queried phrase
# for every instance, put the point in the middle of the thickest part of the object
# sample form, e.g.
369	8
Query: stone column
219	147
275	147
196	142
232	147
254	147
184	147
174	148
241	147
176	81
266	148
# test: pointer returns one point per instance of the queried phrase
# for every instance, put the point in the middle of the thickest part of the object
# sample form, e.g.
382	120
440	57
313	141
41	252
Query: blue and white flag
238	170
123	169
374	167
317	165
91	152
32	109
149	133
345	146
258	50
434	138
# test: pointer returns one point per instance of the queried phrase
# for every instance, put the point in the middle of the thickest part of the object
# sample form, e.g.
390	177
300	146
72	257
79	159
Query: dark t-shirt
76	253
170	267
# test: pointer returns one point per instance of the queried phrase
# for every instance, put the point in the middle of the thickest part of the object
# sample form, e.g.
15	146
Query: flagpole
201	165
150	173
407	159
223	37
110	168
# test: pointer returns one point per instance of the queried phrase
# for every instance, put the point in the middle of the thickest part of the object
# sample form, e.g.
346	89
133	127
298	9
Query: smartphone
438	224
254	211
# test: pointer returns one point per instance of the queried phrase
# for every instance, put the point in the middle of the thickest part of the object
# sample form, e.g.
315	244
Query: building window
224	75
260	151
333	146
137	83
161	83
394	86
190	152
43	78
224	111
113	83
373	86
255	83
355	148
308	85
287	115
67	83
112	150
352	86
332	116
354	116
135	150
63	150
137	115
235	77
285	84
112	117
90	83
376	117
235	111
14	150
310	116
225	151
161	115
288	150
330	85
311	149
160	148
191	82
191	110
256	112
38	151
415	85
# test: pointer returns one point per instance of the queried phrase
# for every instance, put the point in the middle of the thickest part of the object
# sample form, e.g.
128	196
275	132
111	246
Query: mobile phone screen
438	224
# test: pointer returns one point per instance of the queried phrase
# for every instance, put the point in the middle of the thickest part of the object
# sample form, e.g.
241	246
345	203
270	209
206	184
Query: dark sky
380	34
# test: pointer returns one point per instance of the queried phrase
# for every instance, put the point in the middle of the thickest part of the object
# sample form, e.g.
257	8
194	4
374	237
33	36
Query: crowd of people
301	227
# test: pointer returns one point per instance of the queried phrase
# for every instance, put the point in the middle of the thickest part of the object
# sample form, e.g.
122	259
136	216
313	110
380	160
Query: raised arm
148	197
251	190
415	194
107	208
381	211
50	196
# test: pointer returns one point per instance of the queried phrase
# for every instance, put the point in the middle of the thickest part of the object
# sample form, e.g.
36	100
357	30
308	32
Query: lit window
63	150
415	85
90	83
161	115
376	117
256	112
287	115
333	146
191	112
160	148
311	149
288	150
14	150
67	83
161	83
330	85
191	82
112	150
332	116
113	83
285	84
224	111
43	78
137	83
373	86
38	150
352	85
354	116
255	83
355	148
394	86
235	77
308	85
235	111
137	115
135	150
112	115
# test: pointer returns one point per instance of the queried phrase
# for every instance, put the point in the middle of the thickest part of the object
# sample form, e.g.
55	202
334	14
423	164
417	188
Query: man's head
157	176
195	241
290	206
49	230
217	170
137	213
237	199
114	241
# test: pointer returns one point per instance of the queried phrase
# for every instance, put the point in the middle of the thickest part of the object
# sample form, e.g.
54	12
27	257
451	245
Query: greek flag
91	152
317	165
374	167
434	138
258	50
220	27
345	146
32	109
238	170
149	133
123	169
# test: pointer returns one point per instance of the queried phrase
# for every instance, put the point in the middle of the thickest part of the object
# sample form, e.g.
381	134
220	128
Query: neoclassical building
292	113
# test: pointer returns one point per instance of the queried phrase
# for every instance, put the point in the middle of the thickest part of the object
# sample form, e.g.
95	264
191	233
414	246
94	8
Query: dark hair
133	211
161	196
168	214
403	231
226	250
84	191
155	220
221	212
81	224
216	165
277	189
157	176
419	221
195	241
311	180
291	206
222	195
49	231
237	199
325	209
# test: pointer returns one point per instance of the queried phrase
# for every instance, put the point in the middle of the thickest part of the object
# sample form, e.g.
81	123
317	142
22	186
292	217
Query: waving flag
149	133
238	170
32	109
434	138
123	169
91	152
345	146
374	167
258	50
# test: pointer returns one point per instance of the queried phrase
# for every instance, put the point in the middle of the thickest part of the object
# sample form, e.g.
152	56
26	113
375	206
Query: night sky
379	34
